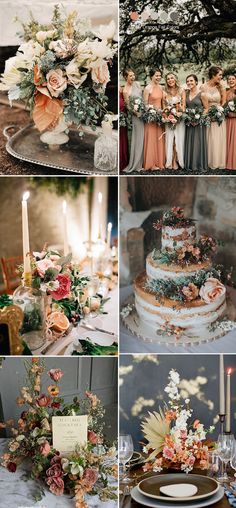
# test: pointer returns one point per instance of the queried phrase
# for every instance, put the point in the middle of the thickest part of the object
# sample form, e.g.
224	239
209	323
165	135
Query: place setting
180	463
65	300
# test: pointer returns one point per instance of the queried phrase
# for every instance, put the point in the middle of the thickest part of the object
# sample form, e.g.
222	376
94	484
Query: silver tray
75	156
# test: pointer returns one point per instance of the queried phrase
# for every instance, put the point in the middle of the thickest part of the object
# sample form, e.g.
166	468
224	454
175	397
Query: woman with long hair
195	152
133	89
215	94
123	135
231	126
174	98
154	143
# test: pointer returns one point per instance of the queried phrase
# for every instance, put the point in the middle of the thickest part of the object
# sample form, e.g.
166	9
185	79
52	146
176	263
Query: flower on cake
212	290
171	440
190	292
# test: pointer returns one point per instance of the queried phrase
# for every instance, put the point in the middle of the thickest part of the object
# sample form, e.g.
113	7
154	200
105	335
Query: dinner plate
150	487
154	503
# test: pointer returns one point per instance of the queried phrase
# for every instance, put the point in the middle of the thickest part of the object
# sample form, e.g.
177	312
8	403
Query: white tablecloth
107	322
131	344
16	493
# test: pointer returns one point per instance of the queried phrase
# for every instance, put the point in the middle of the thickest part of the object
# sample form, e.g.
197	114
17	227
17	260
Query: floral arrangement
195	117
152	115
174	218
172	442
61	71
189	253
205	284
230	107
87	469
216	114
171	115
137	106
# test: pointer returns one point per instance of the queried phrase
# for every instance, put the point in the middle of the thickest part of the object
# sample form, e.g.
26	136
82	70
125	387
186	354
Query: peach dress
154	140
216	134
231	136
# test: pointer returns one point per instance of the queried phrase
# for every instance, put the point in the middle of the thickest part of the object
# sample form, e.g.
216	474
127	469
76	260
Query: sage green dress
195	153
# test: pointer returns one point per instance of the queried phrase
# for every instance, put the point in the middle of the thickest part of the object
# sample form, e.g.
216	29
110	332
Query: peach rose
56	82
211	290
100	73
45	449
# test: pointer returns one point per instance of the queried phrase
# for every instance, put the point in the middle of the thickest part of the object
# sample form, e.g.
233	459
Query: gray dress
195	153
137	139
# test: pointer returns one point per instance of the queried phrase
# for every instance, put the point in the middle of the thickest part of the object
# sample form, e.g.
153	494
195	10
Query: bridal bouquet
61	71
172	441
195	117
172	116
216	114
85	471
152	115
137	106
230	107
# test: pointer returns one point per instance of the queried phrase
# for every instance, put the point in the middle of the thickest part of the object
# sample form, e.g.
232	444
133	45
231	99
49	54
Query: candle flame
229	371
64	206
109	226
26	195
100	197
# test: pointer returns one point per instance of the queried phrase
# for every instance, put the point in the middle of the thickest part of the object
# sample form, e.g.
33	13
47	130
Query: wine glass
233	464
126	449
224	450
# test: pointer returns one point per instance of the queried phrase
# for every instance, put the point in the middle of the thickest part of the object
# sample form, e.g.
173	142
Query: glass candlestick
32	303
105	149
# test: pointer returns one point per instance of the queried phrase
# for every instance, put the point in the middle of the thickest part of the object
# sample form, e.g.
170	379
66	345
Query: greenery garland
64	185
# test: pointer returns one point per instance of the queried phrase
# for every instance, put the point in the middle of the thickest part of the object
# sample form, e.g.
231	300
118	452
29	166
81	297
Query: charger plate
75	156
148	334
150	487
153	503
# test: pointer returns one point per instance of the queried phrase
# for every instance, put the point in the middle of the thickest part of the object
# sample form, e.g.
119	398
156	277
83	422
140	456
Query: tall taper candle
25	234
100	215
109	228
228	403
222	385
65	234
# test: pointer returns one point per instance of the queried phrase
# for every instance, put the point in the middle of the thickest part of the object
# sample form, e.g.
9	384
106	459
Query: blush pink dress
154	140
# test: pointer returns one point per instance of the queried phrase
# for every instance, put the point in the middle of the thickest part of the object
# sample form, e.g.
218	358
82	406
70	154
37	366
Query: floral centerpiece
216	114
61	71
195	117
66	289
173	442
86	471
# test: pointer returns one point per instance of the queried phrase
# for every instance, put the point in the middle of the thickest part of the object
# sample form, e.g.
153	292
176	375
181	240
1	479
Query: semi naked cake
181	290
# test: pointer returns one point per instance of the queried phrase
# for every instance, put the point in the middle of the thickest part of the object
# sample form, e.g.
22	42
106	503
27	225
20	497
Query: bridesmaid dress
154	142
137	139
231	136
175	136
124	151
216	134
195	153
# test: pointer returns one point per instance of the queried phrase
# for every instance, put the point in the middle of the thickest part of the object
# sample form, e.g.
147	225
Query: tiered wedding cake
180	288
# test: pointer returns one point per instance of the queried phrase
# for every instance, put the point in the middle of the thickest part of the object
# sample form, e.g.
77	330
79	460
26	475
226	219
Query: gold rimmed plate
150	487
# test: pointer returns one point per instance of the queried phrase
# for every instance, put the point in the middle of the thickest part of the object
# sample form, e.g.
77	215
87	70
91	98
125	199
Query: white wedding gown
176	135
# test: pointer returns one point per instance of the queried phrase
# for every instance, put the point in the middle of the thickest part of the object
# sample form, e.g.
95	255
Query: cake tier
176	237
159	271
191	316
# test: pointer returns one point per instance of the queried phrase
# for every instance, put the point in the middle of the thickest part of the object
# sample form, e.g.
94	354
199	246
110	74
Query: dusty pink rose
43	265
56	82
212	290
92	437
56	459
168	453
54	471
45	449
196	424
100	74
55	374
90	475
64	287
190	460
56	485
43	400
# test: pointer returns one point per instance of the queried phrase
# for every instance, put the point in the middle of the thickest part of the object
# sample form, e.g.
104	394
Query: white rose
101	49
212	290
74	76
106	31
174	376
31	50
197	116
41	36
56	82
62	48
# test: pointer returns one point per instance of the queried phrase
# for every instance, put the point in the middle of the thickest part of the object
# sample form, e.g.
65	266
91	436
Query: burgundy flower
90	475
56	485
64	287
56	459
54	471
11	466
43	400
56	405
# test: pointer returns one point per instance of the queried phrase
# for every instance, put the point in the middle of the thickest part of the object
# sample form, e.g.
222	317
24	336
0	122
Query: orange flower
20	401
170	415
35	360
37	75
46	112
195	424
53	390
